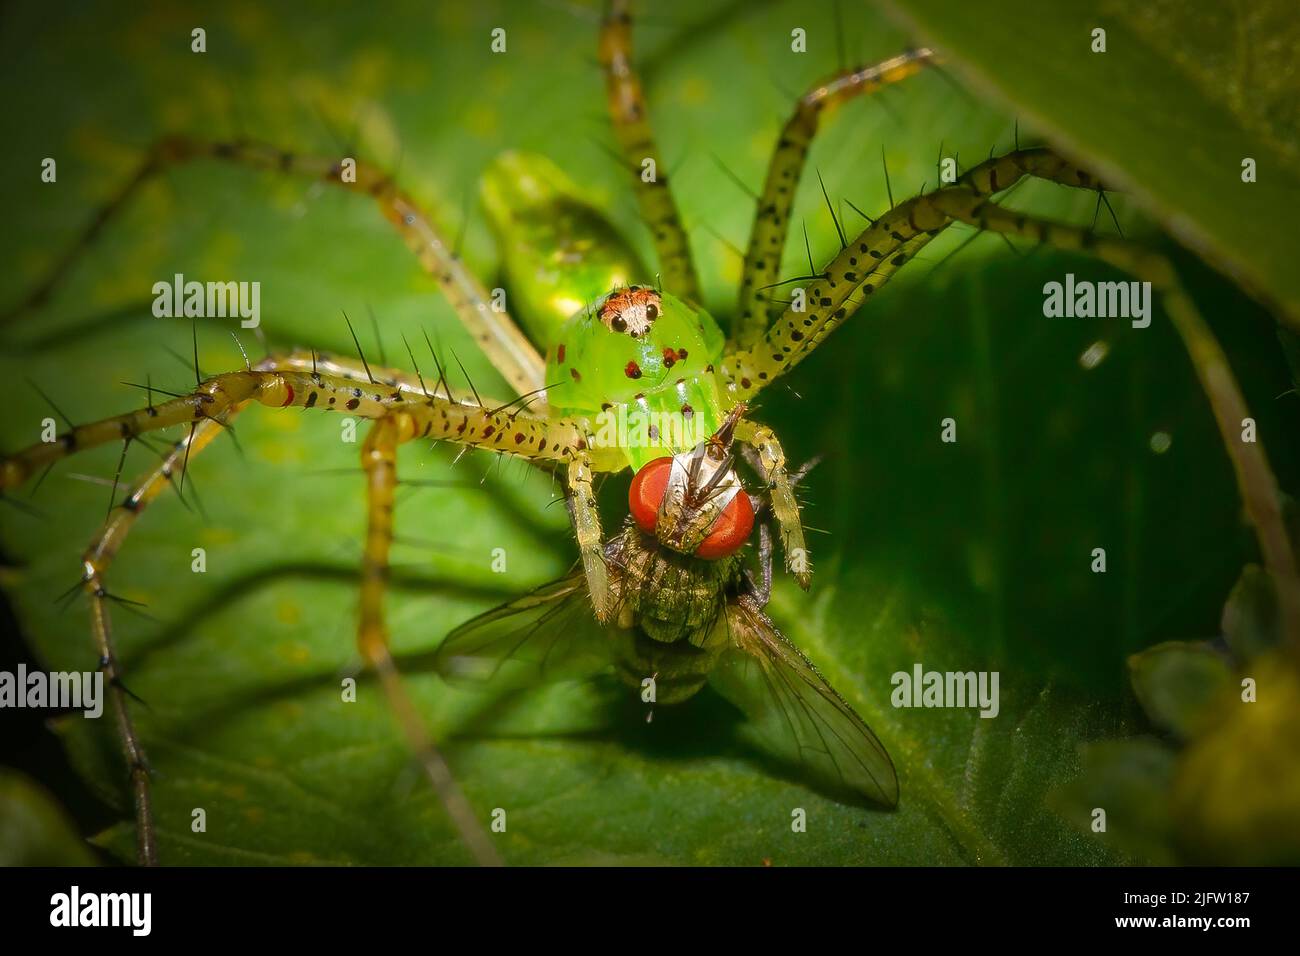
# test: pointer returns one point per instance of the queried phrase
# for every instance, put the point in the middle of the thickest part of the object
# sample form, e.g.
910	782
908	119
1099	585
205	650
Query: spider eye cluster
729	531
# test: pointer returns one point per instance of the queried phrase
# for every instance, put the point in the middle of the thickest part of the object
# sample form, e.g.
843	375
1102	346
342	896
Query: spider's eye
647	492
730	532
652	311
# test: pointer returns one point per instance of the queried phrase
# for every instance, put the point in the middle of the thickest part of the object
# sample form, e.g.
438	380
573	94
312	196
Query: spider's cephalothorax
646	395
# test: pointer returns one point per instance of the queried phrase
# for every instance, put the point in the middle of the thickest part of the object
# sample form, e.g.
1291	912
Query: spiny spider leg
279	384
781	495
379	461
1254	475
875	255
627	111
304	380
771	227
96	559
867	262
494	331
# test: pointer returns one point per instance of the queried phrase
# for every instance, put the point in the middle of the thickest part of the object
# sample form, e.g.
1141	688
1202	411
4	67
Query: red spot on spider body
670	358
559	353
289	400
632	370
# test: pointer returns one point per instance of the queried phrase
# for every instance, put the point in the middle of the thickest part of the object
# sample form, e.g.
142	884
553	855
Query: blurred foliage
1182	94
966	556
34	831
1226	787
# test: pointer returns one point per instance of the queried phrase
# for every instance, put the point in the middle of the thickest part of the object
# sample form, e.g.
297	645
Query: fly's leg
627	111
785	508
585	517
379	461
771	227
495	331
762	591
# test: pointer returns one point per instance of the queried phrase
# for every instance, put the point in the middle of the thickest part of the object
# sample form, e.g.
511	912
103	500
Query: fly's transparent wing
795	713
548	634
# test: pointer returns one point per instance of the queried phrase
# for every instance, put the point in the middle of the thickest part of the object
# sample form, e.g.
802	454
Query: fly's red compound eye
730	532
647	492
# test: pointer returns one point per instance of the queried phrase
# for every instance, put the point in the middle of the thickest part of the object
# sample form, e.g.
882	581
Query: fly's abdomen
677	669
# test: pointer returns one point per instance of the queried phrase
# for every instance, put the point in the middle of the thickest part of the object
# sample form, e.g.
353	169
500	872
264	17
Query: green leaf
1124	790
1183	94
34	830
1179	683
963	557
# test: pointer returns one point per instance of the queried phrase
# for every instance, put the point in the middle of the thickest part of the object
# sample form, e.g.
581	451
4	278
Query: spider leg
585	517
379	461
282	383
96	561
627	111
886	245
870	260
278	381
494	330
771	227
1254	475
785	508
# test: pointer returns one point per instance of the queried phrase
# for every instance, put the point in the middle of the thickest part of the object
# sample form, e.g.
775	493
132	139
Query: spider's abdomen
558	252
639	365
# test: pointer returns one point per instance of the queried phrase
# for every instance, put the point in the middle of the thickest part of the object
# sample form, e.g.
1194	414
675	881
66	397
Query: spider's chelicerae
615	365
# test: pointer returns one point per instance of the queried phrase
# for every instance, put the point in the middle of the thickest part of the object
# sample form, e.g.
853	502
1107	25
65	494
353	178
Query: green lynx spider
556	426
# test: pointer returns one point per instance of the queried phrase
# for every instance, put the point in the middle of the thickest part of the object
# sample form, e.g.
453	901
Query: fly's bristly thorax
669	595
